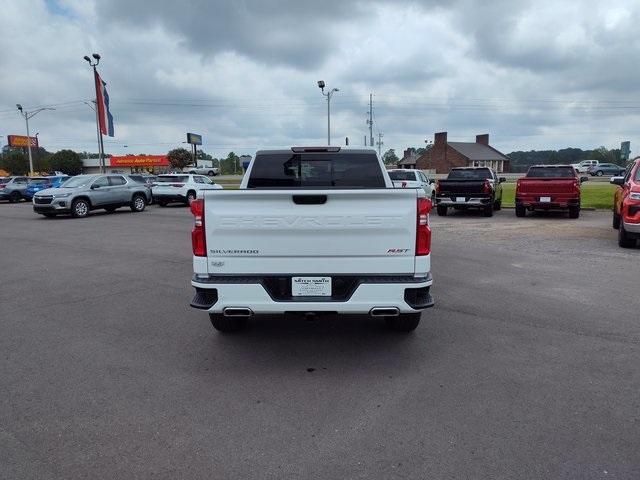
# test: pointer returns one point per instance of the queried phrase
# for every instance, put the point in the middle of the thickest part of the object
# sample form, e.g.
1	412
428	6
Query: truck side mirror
617	181
584	179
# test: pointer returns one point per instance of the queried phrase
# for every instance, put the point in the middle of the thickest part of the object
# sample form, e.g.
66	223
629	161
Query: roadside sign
194	139
21	141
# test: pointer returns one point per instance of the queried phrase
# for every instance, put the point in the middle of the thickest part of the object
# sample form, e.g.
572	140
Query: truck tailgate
466	187
540	186
311	231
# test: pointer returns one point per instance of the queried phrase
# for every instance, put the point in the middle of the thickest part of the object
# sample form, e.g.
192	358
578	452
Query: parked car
313	230
549	187
583	166
626	206
40	183
470	188
407	178
210	171
83	193
147	180
13	188
182	188
609	169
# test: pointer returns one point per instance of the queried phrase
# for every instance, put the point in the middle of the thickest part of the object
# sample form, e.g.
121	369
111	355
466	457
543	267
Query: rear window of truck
551	172
319	170
470	174
173	179
401	175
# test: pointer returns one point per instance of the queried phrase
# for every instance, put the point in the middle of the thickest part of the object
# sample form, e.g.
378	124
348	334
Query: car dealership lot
525	368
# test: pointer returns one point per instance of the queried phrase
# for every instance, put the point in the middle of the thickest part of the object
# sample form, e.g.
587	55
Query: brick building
409	159
444	155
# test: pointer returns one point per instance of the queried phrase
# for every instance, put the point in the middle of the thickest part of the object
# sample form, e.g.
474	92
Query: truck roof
470	168
551	166
315	149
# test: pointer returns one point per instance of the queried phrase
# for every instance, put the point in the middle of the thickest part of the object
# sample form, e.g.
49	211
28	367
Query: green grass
594	195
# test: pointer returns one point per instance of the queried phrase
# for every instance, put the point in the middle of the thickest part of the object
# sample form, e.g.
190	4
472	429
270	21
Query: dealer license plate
311	286
461	199
545	199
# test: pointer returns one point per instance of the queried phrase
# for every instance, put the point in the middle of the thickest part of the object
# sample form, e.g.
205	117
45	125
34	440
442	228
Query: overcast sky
533	74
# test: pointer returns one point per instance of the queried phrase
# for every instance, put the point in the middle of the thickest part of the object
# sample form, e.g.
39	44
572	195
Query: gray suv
83	193
13	188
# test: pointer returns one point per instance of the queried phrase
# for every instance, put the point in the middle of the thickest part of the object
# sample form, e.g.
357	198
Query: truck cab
626	206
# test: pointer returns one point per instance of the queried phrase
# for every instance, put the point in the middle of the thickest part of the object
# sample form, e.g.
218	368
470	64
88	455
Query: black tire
80	208
191	196
624	240
497	205
211	173
442	210
49	215
405	322
227	324
574	212
15	197
520	211
110	209
616	220
138	203
599	173
488	210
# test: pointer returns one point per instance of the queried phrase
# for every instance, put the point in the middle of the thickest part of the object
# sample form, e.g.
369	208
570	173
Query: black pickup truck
470	188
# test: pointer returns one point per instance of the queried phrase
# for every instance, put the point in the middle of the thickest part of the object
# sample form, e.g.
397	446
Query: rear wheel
442	210
227	324
616	220
624	240
211	173
80	208
520	211
488	210
138	203
574	212
599	173
15	197
497	205
405	322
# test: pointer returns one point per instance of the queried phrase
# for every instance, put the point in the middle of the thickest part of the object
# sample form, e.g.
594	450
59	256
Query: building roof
410	160
477	151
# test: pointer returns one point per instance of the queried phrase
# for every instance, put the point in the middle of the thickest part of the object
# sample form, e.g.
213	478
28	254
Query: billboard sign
21	141
139	161
194	139
625	150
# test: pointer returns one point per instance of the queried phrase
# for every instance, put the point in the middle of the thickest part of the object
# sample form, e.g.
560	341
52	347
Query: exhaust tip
384	312
237	312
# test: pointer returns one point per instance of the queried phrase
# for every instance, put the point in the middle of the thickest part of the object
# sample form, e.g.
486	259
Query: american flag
105	118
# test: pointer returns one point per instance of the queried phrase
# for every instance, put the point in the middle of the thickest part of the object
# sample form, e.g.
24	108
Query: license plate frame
461	199
545	199
311	286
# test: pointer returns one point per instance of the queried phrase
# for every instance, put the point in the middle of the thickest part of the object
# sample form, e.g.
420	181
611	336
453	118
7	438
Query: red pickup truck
549	187
626	206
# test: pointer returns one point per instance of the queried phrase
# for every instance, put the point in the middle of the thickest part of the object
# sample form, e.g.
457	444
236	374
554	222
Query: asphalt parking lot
526	368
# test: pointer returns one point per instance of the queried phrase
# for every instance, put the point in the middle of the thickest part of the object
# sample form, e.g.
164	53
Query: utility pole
370	121
329	94
380	143
27	116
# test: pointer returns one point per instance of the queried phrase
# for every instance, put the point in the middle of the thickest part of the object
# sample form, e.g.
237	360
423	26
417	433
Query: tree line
521	161
16	162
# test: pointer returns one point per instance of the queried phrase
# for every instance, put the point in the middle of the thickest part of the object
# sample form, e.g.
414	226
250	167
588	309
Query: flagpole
95	83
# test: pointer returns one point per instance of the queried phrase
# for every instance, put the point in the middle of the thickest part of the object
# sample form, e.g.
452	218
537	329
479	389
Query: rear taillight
198	240
486	188
438	188
423	230
2	185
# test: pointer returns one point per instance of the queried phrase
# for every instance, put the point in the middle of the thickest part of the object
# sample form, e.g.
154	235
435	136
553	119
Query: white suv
180	187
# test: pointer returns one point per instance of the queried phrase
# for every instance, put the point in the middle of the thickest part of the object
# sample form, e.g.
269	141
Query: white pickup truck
312	230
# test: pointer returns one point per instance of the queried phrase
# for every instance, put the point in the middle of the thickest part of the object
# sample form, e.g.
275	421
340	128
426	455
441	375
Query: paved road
527	367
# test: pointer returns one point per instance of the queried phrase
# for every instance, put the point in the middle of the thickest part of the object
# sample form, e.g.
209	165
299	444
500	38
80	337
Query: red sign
139	161
21	141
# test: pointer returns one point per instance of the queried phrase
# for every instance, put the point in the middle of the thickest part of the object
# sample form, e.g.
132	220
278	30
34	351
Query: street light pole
95	102
27	116
329	94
